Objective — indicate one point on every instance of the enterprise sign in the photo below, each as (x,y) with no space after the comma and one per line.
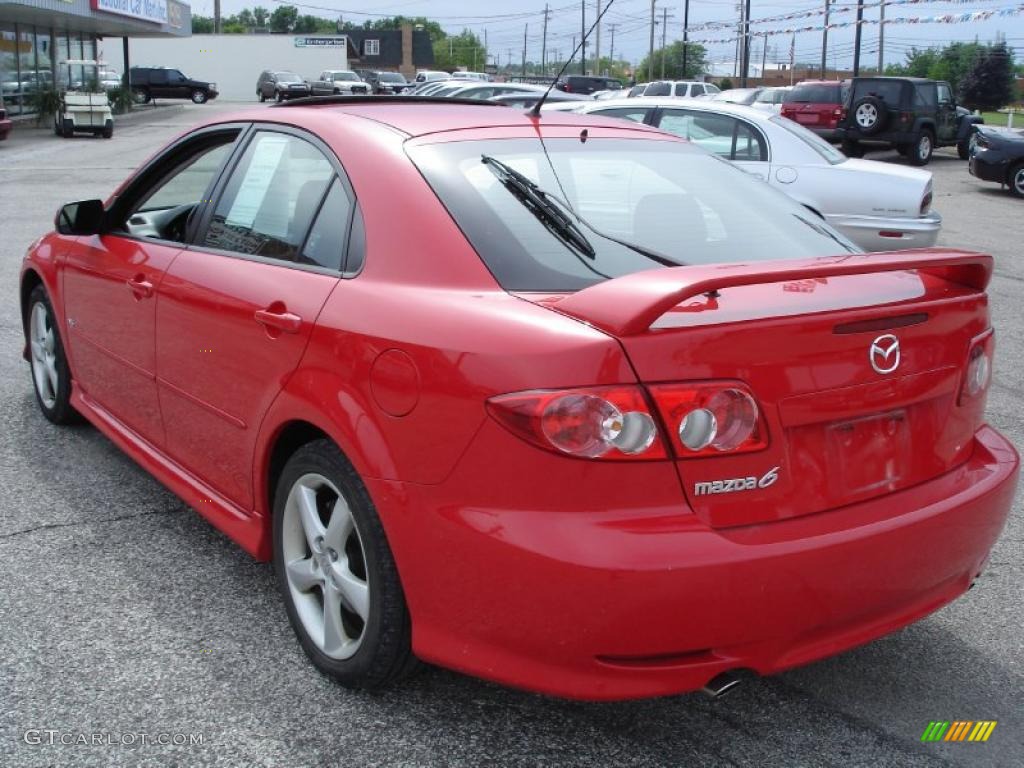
(321,42)
(146,10)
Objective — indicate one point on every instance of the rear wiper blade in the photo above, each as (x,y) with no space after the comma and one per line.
(540,204)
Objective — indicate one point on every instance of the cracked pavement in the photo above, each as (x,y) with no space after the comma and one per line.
(122,611)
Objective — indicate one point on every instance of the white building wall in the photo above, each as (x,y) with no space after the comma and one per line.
(234,62)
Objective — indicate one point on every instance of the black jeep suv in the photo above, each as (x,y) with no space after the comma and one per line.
(911,114)
(149,83)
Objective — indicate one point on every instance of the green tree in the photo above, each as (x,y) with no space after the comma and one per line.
(260,15)
(726,84)
(283,19)
(306,24)
(696,61)
(245,18)
(990,82)
(461,50)
(202,25)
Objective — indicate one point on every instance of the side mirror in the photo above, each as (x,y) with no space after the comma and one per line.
(82,218)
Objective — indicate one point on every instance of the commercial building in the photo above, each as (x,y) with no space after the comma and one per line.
(37,35)
(234,62)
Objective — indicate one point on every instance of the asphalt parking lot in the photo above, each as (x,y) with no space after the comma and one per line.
(123,612)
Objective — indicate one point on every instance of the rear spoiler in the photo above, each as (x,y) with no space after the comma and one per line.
(628,305)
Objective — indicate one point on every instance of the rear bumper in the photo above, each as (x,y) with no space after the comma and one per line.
(899,233)
(598,601)
(989,166)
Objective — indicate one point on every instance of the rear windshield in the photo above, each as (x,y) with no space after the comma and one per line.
(888,91)
(665,196)
(288,77)
(815,93)
(812,140)
(391,77)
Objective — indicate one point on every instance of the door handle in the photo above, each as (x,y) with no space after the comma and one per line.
(279,320)
(141,287)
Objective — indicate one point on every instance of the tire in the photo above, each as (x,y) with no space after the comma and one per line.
(921,148)
(141,96)
(51,377)
(370,645)
(963,149)
(852,149)
(198,96)
(69,128)
(108,130)
(1015,179)
(278,96)
(260,95)
(58,126)
(869,115)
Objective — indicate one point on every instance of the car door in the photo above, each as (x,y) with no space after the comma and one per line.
(946,115)
(236,309)
(158,84)
(110,280)
(724,135)
(178,85)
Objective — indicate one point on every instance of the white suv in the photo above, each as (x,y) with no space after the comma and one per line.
(680,88)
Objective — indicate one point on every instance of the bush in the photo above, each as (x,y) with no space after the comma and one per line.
(726,84)
(121,100)
(45,102)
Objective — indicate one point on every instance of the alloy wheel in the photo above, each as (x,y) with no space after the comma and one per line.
(867,115)
(1018,181)
(42,340)
(924,147)
(325,566)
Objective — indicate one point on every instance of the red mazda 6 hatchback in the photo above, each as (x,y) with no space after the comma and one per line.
(562,402)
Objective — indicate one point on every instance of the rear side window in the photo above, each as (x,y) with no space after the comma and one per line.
(814,94)
(924,96)
(723,135)
(659,89)
(271,198)
(325,245)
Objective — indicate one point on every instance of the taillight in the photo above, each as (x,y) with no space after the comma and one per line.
(837,112)
(979,367)
(926,201)
(598,422)
(710,419)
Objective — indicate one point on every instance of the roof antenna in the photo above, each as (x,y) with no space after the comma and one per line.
(535,109)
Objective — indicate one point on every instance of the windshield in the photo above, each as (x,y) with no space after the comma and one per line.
(391,77)
(288,77)
(667,197)
(811,139)
(346,76)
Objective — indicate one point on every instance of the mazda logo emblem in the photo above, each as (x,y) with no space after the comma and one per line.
(885,354)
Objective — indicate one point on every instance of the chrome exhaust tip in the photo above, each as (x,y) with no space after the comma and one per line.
(721,684)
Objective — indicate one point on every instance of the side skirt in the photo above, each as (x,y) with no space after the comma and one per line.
(245,528)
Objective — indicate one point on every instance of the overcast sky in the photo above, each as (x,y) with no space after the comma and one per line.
(504,23)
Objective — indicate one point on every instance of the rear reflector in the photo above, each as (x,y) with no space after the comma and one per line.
(890,233)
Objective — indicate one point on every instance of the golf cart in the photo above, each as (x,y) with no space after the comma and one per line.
(82,109)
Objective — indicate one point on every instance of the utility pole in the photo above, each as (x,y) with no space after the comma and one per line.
(573,52)
(611,56)
(485,52)
(583,37)
(746,44)
(881,36)
(544,43)
(216,17)
(526,29)
(664,32)
(686,28)
(856,38)
(824,40)
(764,56)
(650,56)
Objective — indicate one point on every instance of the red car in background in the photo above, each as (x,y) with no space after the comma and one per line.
(817,105)
(5,123)
(603,417)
